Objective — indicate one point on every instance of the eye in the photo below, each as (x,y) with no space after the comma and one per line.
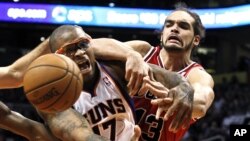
(83,45)
(168,24)
(184,25)
(70,49)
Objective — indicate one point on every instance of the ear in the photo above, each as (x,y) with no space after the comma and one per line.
(88,36)
(196,40)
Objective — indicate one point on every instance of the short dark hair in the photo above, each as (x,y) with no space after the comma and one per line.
(199,29)
(61,34)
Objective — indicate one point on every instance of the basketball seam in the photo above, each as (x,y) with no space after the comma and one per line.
(41,85)
(45,65)
(64,89)
(67,71)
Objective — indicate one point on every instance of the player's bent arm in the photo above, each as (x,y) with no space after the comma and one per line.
(140,46)
(69,125)
(12,76)
(18,124)
(111,49)
(203,84)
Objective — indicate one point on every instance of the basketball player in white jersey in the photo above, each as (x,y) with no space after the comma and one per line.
(105,101)
(12,77)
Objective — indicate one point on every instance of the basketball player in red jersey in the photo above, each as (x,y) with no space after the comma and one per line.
(104,101)
(182,31)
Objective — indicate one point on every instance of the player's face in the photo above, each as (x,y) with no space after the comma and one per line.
(78,50)
(178,32)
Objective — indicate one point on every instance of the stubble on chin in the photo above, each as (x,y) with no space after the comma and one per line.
(172,48)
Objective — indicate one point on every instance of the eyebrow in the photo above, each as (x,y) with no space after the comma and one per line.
(170,21)
(182,21)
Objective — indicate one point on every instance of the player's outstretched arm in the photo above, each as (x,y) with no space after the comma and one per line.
(175,96)
(18,124)
(12,76)
(69,125)
(203,84)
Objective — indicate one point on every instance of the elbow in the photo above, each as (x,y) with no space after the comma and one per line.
(200,111)
(19,83)
(16,77)
(16,83)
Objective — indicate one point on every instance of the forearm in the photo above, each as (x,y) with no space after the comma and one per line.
(199,107)
(18,124)
(110,49)
(7,79)
(203,85)
(33,130)
(203,97)
(14,73)
(70,126)
(169,79)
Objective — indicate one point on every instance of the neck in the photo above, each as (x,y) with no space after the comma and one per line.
(91,79)
(175,61)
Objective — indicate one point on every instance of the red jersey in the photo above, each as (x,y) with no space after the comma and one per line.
(152,129)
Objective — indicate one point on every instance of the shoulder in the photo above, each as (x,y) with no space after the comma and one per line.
(140,46)
(200,76)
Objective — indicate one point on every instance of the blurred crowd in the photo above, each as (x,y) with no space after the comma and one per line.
(231,106)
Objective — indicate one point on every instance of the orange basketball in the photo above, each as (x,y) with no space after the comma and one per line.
(52,83)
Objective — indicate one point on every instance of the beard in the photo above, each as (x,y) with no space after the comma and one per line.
(175,48)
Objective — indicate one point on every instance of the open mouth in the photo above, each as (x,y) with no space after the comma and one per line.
(174,39)
(84,66)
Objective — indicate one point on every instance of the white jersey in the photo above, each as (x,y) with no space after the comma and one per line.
(108,109)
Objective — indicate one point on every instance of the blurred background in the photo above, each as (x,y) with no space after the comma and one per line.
(225,54)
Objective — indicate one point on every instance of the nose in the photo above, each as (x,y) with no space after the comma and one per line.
(175,28)
(79,53)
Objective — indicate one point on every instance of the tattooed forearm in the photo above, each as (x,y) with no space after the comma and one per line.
(69,125)
(167,78)
(74,122)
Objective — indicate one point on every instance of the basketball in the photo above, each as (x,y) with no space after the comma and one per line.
(52,83)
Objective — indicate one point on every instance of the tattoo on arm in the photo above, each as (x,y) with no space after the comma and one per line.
(69,124)
(172,79)
(167,78)
(73,120)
